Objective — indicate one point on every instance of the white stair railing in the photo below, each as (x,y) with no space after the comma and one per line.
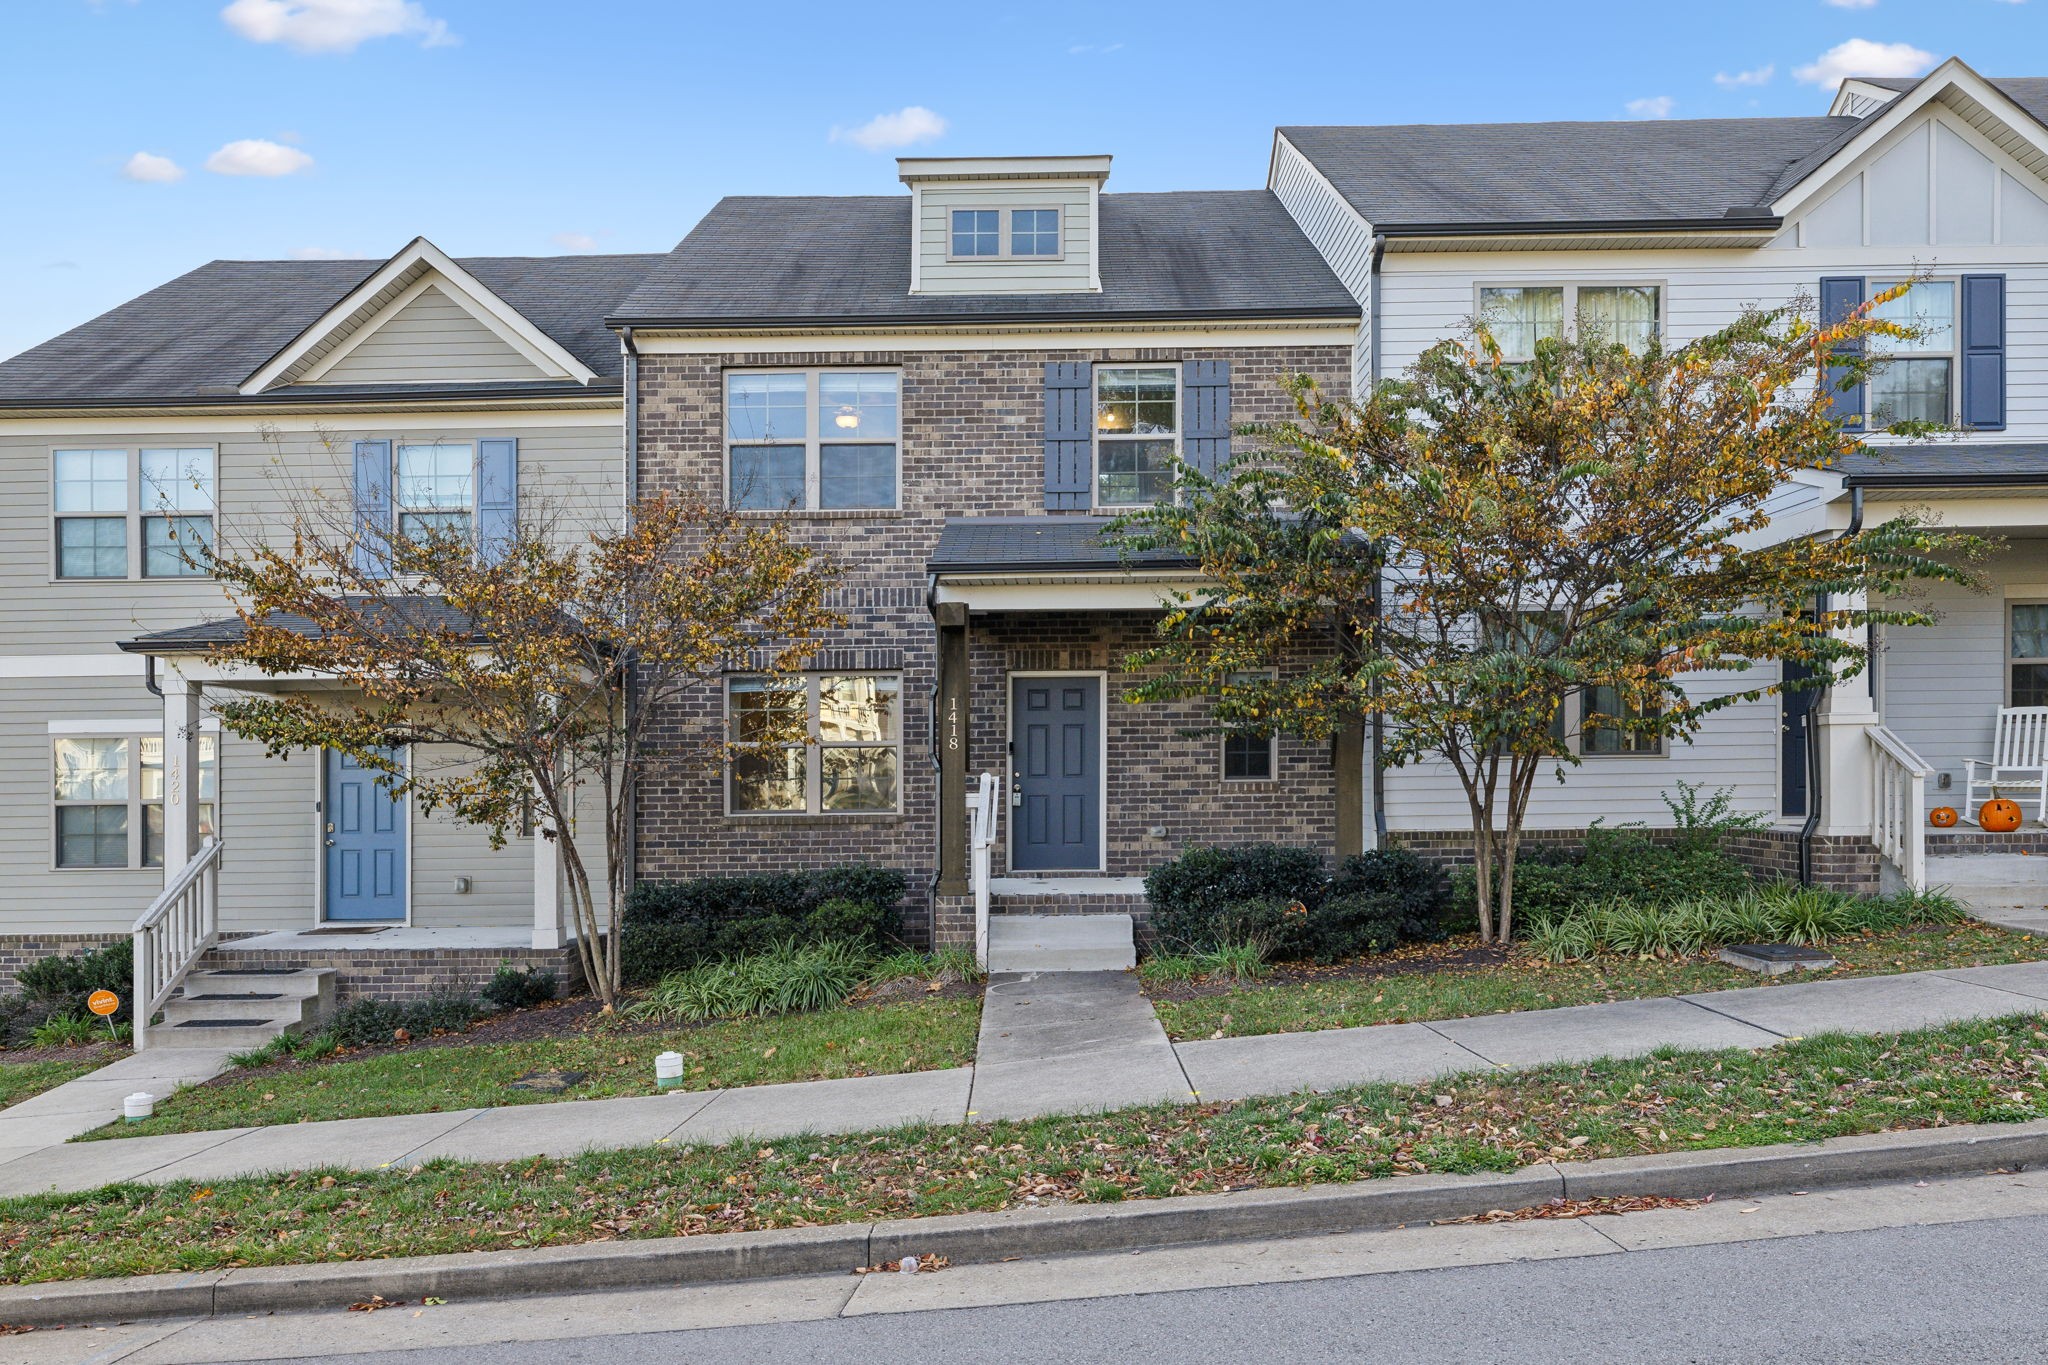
(1898,805)
(983,808)
(179,926)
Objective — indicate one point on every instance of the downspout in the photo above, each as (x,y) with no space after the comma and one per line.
(1372,312)
(1813,778)
(149,677)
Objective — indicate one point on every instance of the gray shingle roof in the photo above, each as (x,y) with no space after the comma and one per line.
(417,613)
(1941,463)
(1048,544)
(202,334)
(816,259)
(2029,92)
(1689,170)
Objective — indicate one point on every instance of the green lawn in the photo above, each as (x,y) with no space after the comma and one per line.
(19,1080)
(1527,983)
(1986,1071)
(868,1040)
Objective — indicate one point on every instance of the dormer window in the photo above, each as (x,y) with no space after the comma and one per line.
(998,234)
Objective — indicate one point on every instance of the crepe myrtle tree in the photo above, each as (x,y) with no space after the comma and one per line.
(545,662)
(1480,539)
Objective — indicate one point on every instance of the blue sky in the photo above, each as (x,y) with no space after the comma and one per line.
(522,127)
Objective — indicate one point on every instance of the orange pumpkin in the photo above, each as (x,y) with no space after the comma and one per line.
(2000,816)
(1941,817)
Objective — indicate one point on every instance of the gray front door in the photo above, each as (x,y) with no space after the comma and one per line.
(1056,772)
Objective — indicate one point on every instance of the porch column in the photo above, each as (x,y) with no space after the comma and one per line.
(1347,759)
(951,701)
(181,774)
(1849,710)
(547,889)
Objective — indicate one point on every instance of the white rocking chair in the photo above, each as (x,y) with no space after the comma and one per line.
(2018,765)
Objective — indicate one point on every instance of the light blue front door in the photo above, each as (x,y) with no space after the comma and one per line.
(365,834)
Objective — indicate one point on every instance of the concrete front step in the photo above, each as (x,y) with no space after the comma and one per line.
(1061,943)
(244,1009)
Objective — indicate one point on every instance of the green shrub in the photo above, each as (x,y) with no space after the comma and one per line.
(1200,897)
(1703,822)
(788,978)
(1616,864)
(65,981)
(374,1023)
(670,927)
(1420,890)
(518,988)
(67,1030)
(947,966)
(1216,899)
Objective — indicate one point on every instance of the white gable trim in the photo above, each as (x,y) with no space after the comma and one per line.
(395,283)
(1976,100)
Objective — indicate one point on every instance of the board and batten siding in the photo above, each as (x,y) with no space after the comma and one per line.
(430,339)
(1339,234)
(258,479)
(1072,273)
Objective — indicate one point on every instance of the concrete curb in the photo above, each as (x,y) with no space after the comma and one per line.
(1020,1233)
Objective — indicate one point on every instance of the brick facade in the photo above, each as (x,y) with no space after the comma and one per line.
(408,973)
(19,950)
(971,444)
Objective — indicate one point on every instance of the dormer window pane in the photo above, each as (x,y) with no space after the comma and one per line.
(1034,232)
(977,232)
(765,407)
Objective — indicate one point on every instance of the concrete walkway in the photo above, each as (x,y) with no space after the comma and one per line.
(94,1100)
(1060,1043)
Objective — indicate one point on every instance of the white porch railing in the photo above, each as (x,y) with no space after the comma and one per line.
(983,811)
(177,928)
(1898,805)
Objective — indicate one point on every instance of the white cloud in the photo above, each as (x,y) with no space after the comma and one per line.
(1094,49)
(1853,4)
(152,169)
(256,156)
(334,25)
(574,241)
(1656,106)
(326,253)
(1761,76)
(1861,57)
(904,128)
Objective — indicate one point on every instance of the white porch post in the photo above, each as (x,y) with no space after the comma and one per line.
(181,774)
(547,888)
(1849,711)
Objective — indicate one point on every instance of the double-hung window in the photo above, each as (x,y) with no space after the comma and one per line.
(816,744)
(107,503)
(109,799)
(436,489)
(991,234)
(1520,315)
(1916,381)
(1137,433)
(811,439)
(1603,741)
(2027,648)
(1251,757)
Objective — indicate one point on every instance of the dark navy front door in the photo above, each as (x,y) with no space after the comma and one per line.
(1056,765)
(365,840)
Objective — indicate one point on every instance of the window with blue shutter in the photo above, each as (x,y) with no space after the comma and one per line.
(1840,296)
(1205,433)
(497,497)
(1983,352)
(373,506)
(1069,434)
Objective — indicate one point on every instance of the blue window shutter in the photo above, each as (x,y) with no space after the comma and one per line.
(1984,352)
(1205,415)
(1841,295)
(373,506)
(1069,434)
(497,497)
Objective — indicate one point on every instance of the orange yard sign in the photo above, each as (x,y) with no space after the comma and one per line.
(103,1002)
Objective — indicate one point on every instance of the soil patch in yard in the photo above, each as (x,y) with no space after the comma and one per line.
(1464,953)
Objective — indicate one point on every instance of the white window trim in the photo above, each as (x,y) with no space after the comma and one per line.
(813,745)
(1953,355)
(132,516)
(138,805)
(1006,232)
(400,510)
(1571,287)
(1180,388)
(814,438)
(1272,744)
(2005,646)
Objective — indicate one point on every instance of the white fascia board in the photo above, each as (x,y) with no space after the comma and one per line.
(503,319)
(977,335)
(1951,74)
(1066,593)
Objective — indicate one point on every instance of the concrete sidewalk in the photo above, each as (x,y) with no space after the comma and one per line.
(1050,1045)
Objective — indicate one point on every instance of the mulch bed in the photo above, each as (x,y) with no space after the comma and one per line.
(102,1053)
(1464,953)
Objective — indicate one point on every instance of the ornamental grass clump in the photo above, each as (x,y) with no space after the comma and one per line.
(788,978)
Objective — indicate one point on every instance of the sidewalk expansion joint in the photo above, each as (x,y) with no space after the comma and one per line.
(1735,1018)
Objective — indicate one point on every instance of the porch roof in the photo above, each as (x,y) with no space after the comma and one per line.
(1047,544)
(377,613)
(1961,464)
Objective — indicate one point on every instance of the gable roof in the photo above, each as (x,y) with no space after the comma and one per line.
(197,338)
(1703,173)
(819,260)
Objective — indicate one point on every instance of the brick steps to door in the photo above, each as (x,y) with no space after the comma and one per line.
(245,1008)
